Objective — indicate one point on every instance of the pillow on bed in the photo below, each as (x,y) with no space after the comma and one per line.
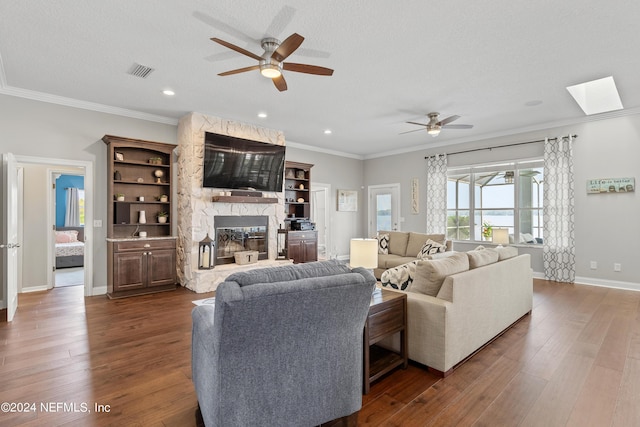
(67,236)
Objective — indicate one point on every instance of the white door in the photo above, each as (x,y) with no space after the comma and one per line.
(320,216)
(384,208)
(9,240)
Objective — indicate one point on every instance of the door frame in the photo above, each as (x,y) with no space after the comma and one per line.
(10,253)
(52,163)
(395,189)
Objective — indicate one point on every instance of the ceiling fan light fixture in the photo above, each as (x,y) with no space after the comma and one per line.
(270,71)
(434,130)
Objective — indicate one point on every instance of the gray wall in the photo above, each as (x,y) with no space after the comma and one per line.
(39,129)
(606,224)
(607,228)
(341,173)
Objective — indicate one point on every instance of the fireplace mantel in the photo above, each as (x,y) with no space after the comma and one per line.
(244,199)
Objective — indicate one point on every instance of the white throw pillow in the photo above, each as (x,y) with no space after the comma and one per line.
(431,247)
(383,244)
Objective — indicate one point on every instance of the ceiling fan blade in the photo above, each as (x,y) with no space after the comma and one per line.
(409,131)
(237,48)
(308,69)
(287,47)
(419,124)
(240,70)
(448,120)
(280,83)
(458,126)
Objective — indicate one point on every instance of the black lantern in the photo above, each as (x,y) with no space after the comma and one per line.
(205,253)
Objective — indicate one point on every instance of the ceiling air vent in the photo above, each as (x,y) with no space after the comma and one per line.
(141,71)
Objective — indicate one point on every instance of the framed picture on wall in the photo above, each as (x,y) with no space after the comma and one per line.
(347,200)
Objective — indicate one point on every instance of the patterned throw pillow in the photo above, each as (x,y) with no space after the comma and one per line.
(431,247)
(383,244)
(400,277)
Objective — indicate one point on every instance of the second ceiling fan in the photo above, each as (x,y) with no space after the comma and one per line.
(435,126)
(271,63)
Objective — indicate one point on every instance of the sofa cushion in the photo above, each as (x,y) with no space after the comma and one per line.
(506,252)
(417,240)
(430,248)
(478,258)
(400,277)
(390,260)
(441,255)
(397,242)
(383,244)
(431,273)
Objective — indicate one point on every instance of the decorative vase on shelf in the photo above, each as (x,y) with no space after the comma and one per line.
(117,176)
(142,217)
(162,219)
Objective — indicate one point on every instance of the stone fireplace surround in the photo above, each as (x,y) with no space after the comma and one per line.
(196,210)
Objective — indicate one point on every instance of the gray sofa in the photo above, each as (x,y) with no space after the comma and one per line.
(404,247)
(282,346)
(457,304)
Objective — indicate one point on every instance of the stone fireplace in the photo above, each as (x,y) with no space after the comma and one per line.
(198,214)
(240,233)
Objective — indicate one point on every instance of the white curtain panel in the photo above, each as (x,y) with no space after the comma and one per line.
(72,216)
(437,194)
(558,211)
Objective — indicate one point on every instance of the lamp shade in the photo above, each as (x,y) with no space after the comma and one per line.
(363,253)
(500,236)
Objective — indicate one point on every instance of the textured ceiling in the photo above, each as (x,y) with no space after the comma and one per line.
(393,62)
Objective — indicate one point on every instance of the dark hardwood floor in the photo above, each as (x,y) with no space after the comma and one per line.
(574,362)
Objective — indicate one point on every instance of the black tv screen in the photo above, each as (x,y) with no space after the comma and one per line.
(236,163)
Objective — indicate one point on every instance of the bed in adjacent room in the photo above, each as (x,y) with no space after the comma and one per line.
(69,247)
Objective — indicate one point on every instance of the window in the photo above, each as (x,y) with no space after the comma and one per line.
(81,206)
(497,196)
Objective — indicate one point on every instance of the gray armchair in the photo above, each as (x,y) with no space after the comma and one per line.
(283,346)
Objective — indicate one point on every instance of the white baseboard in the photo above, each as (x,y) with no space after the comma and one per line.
(99,290)
(34,289)
(590,281)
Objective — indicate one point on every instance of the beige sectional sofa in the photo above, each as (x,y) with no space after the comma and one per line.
(404,247)
(470,307)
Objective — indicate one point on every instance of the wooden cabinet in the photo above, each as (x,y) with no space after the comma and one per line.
(139,200)
(302,246)
(143,266)
(297,190)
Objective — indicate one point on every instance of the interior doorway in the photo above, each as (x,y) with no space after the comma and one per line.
(320,215)
(38,252)
(68,217)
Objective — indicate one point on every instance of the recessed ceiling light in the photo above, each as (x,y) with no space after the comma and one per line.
(327,132)
(533,103)
(168,92)
(262,115)
(597,96)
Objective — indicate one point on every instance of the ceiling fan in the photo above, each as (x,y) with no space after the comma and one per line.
(435,126)
(271,63)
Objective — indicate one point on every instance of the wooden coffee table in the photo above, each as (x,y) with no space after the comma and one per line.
(387,316)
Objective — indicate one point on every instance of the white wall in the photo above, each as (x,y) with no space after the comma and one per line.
(607,229)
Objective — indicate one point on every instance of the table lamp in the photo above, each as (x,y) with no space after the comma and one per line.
(500,236)
(363,253)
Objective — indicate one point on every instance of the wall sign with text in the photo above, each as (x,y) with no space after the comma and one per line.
(611,185)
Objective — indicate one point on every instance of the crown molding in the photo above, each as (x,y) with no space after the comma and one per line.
(324,150)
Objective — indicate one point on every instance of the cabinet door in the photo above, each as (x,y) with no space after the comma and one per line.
(129,270)
(161,267)
(310,250)
(296,251)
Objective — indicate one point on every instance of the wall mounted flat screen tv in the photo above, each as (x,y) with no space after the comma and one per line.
(241,164)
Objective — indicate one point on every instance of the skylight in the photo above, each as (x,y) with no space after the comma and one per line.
(597,96)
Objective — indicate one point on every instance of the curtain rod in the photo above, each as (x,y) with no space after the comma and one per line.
(501,146)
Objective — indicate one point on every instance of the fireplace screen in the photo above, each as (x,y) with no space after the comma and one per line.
(240,233)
